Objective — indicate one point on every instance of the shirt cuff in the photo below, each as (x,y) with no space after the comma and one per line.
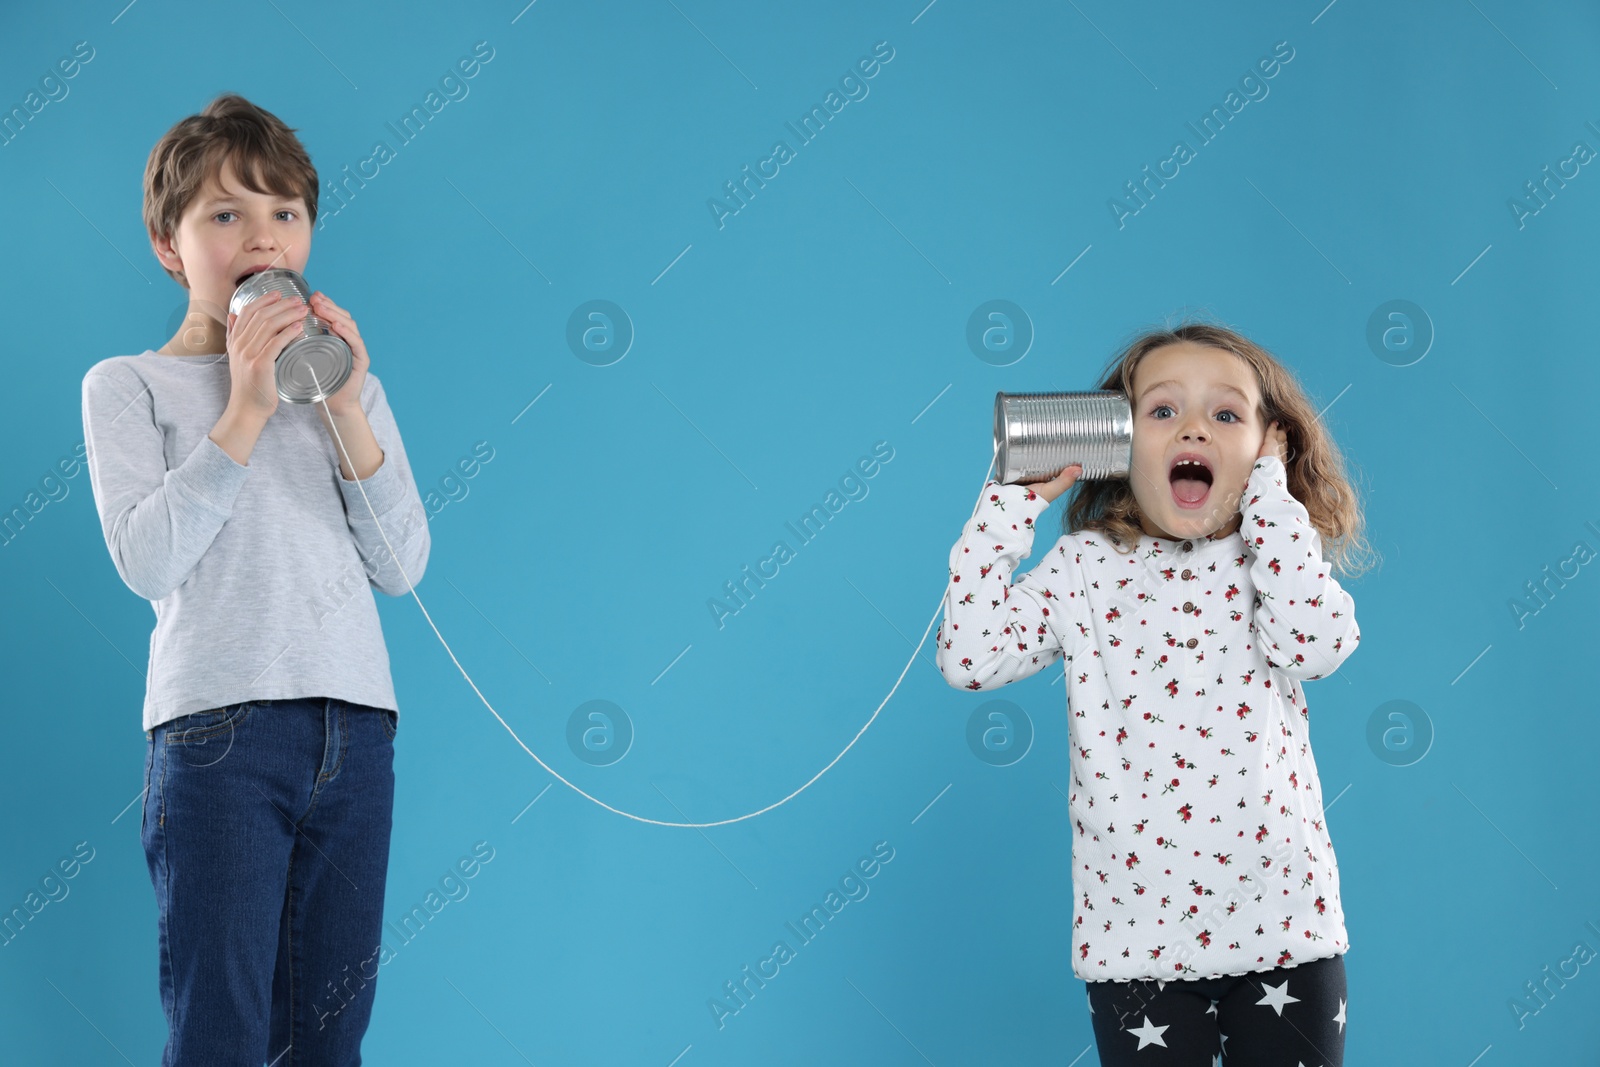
(1267,473)
(383,490)
(1018,498)
(214,476)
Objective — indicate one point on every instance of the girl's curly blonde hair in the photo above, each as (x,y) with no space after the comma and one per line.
(1315,467)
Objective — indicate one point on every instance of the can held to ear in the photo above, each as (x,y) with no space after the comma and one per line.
(1036,435)
(318,357)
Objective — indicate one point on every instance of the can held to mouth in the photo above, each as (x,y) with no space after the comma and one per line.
(1036,435)
(318,357)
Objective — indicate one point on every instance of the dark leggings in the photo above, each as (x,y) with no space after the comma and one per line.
(1250,1019)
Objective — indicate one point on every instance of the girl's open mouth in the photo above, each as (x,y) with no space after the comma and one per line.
(1191,485)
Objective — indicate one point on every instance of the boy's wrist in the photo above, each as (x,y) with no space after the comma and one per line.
(342,417)
(245,413)
(237,431)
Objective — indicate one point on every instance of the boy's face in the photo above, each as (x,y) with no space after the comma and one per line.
(226,231)
(1199,400)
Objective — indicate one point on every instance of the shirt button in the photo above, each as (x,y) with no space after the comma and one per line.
(1188,605)
(1186,546)
(1192,642)
(1187,574)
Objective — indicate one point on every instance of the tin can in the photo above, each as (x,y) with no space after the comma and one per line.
(318,357)
(1036,435)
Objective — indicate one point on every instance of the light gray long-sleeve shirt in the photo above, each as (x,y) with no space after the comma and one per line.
(261,575)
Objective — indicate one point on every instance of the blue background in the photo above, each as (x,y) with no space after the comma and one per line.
(770,354)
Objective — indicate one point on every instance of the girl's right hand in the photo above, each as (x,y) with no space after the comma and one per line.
(1060,483)
(256,337)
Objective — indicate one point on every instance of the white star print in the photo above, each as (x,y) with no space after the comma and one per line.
(1213,1009)
(1148,1034)
(1340,1017)
(1278,998)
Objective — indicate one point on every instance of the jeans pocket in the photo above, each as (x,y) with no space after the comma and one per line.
(391,722)
(198,728)
(144,798)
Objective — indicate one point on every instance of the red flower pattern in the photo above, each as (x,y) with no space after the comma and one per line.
(1170,649)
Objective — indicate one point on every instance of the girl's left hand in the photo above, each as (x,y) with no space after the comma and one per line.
(348,398)
(1275,444)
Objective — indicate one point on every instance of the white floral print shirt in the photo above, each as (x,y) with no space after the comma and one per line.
(1200,847)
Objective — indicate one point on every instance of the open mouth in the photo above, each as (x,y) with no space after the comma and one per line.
(253,270)
(1191,480)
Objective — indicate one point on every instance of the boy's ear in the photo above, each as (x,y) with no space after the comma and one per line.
(167,256)
(162,247)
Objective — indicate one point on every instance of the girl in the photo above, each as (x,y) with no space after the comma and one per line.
(1190,603)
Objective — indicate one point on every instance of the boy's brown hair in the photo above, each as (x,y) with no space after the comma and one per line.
(1314,466)
(266,155)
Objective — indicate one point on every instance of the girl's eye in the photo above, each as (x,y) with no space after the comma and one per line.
(1224,411)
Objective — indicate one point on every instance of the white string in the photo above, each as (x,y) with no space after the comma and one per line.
(654,822)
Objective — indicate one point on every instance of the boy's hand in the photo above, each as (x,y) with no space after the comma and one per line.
(348,398)
(1059,484)
(1276,443)
(256,337)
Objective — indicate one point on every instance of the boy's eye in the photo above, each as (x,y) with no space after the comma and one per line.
(283,211)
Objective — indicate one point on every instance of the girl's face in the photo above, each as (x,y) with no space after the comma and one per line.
(1198,402)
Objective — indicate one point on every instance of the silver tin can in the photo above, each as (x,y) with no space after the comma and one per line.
(1036,435)
(317,357)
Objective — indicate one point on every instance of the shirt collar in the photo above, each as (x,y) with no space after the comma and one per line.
(1190,548)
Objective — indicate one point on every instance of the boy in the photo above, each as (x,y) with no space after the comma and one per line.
(269,711)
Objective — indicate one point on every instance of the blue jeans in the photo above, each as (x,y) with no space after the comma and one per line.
(266,830)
